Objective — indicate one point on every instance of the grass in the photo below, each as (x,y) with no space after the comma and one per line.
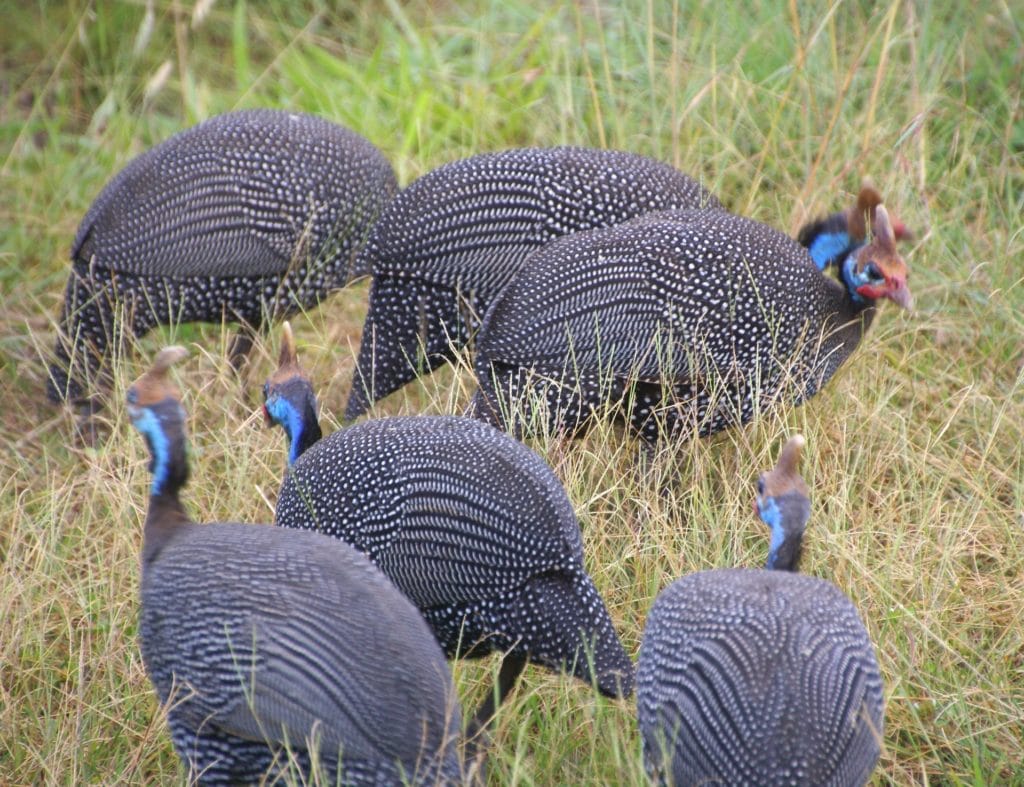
(915,451)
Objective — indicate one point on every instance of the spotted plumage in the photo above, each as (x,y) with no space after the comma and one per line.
(760,676)
(469,524)
(676,321)
(451,240)
(248,216)
(255,637)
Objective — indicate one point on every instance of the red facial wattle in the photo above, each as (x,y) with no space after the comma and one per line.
(895,289)
(873,292)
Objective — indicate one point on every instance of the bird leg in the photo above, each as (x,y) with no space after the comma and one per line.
(241,344)
(476,737)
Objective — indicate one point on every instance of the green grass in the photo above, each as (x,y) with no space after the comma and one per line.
(914,449)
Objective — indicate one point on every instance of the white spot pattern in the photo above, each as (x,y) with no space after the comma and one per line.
(461,232)
(680,320)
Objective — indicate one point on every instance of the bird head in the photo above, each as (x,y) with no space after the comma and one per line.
(831,239)
(876,270)
(154,407)
(784,506)
(289,401)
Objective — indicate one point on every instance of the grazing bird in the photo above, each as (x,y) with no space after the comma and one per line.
(450,241)
(249,216)
(677,321)
(760,676)
(257,638)
(472,526)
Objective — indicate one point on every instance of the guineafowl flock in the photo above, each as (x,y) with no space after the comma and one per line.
(585,284)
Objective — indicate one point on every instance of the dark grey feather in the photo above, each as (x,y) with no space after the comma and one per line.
(450,241)
(275,635)
(473,527)
(250,215)
(758,677)
(698,317)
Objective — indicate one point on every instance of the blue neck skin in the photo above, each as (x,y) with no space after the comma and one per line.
(772,517)
(151,426)
(829,246)
(283,413)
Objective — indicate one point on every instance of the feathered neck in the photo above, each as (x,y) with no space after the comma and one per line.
(829,241)
(165,517)
(307,433)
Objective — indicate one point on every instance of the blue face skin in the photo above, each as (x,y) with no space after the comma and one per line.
(854,279)
(283,413)
(786,515)
(828,246)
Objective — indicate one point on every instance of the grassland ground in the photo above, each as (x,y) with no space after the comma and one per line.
(914,458)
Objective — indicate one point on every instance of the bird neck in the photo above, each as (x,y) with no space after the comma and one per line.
(786,545)
(828,240)
(162,425)
(851,280)
(848,315)
(303,432)
(165,517)
(295,413)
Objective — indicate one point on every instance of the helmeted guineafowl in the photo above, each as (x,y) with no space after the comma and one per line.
(469,524)
(678,321)
(255,636)
(250,215)
(754,676)
(448,243)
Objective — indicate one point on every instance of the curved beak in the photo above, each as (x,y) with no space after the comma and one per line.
(898,292)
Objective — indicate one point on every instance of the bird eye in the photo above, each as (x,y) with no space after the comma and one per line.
(873,271)
(266,391)
(760,485)
(132,396)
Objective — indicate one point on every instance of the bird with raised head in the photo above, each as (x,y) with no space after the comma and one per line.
(760,676)
(675,322)
(273,648)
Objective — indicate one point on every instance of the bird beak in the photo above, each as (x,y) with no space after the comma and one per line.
(898,292)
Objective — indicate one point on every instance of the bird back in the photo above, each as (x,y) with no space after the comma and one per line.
(242,194)
(469,224)
(282,635)
(758,676)
(450,508)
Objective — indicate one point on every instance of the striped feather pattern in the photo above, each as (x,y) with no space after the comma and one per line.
(266,634)
(758,677)
(469,524)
